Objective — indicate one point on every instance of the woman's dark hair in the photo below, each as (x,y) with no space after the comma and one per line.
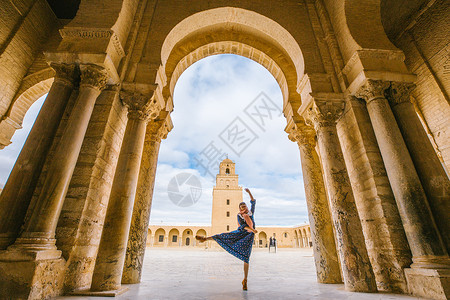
(242,203)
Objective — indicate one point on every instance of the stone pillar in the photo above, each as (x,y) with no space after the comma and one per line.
(82,216)
(356,268)
(380,220)
(39,230)
(16,195)
(33,260)
(137,239)
(432,175)
(325,256)
(113,244)
(429,274)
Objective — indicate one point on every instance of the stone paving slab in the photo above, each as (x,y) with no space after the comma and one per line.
(207,274)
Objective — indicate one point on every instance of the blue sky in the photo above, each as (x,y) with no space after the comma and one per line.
(211,97)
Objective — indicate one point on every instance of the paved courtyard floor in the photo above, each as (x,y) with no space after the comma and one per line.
(207,274)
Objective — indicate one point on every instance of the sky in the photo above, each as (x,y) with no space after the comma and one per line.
(224,105)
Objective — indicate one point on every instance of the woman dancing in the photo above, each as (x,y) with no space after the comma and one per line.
(239,242)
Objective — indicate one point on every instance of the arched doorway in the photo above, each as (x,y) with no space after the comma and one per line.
(160,238)
(188,237)
(262,240)
(174,238)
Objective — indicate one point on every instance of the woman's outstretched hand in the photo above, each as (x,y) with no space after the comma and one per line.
(249,193)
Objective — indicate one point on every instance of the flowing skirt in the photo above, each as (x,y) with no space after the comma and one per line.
(238,243)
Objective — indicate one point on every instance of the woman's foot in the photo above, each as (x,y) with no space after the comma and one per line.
(244,284)
(201,239)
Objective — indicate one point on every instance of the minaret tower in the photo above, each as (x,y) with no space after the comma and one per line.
(227,195)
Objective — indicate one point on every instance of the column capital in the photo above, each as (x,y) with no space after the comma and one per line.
(399,92)
(159,128)
(325,113)
(65,73)
(372,89)
(302,134)
(140,106)
(94,76)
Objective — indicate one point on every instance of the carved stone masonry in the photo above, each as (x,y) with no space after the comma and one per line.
(67,74)
(94,76)
(399,92)
(373,89)
(140,106)
(325,113)
(303,134)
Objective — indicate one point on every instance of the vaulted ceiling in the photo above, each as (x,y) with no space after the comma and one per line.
(66,9)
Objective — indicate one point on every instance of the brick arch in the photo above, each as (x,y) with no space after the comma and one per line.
(236,31)
(32,88)
(231,47)
(358,26)
(172,232)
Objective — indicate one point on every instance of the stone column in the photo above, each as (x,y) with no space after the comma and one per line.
(325,256)
(113,244)
(137,239)
(380,220)
(429,253)
(39,230)
(432,175)
(16,195)
(356,268)
(32,266)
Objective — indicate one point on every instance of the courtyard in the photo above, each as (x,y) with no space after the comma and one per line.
(214,274)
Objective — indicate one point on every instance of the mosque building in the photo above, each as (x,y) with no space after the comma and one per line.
(227,194)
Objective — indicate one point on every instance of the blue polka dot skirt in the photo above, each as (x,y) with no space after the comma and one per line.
(238,243)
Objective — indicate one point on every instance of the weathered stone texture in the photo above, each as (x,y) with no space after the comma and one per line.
(374,199)
(82,216)
(427,50)
(316,49)
(25,26)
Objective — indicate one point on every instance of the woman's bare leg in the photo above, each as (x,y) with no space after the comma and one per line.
(246,265)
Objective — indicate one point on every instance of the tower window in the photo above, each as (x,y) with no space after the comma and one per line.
(174,239)
(161,238)
(227,171)
(285,235)
(228,201)
(228,227)
(228,213)
(188,232)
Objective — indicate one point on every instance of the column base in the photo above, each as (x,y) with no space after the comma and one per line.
(429,283)
(31,275)
(6,239)
(112,293)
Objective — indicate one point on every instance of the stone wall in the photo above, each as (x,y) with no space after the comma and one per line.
(25,27)
(427,51)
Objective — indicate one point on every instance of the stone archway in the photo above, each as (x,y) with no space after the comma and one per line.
(174,238)
(262,239)
(342,84)
(160,238)
(188,238)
